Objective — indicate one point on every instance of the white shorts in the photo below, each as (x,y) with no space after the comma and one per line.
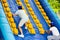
(53,37)
(23,21)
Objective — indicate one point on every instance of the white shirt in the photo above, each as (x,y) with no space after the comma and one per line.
(54,31)
(21,14)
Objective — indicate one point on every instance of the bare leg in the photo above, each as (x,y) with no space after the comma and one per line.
(20,30)
(20,25)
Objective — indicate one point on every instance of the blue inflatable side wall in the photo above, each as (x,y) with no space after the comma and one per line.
(53,17)
(4,26)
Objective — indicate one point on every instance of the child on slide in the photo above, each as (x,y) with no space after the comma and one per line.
(24,18)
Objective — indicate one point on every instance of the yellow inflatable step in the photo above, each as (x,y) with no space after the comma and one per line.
(48,21)
(13,25)
(15,31)
(28,21)
(39,25)
(5,5)
(46,17)
(44,14)
(32,13)
(11,20)
(34,17)
(36,20)
(37,3)
(41,30)
(7,9)
(32,31)
(28,5)
(42,10)
(9,15)
(4,1)
(30,8)
(19,3)
(18,0)
(30,26)
(8,12)
(39,7)
(26,1)
(36,0)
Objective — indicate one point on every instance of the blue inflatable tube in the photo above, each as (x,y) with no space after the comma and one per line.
(4,26)
(53,17)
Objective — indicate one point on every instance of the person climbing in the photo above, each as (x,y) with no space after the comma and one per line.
(24,18)
(54,31)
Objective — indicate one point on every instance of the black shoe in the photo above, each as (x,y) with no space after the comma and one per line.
(52,39)
(59,39)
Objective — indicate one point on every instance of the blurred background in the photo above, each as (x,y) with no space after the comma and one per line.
(55,5)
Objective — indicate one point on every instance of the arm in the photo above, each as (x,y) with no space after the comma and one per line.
(48,31)
(14,14)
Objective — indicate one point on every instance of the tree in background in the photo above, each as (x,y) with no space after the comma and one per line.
(55,5)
